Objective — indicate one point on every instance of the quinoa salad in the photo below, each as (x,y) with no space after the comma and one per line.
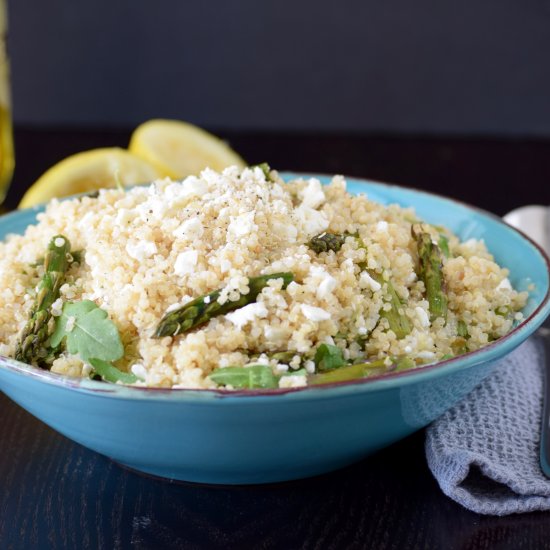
(241,280)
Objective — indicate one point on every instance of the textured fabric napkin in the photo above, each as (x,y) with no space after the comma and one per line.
(484,452)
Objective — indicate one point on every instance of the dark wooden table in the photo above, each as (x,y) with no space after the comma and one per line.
(57,494)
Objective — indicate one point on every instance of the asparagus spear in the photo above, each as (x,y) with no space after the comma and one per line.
(398,321)
(326,241)
(265,168)
(202,309)
(361,370)
(431,272)
(30,348)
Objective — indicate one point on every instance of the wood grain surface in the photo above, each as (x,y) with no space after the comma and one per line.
(56,494)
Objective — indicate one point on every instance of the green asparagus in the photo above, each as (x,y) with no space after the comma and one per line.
(443,243)
(202,309)
(361,370)
(431,272)
(265,168)
(251,377)
(399,322)
(31,345)
(326,241)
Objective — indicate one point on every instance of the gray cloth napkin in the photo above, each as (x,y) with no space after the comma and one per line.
(484,452)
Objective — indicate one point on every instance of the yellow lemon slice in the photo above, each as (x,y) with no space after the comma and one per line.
(179,149)
(89,171)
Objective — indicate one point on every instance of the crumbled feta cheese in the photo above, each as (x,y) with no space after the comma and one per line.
(246,314)
(366,281)
(362,331)
(309,365)
(312,195)
(315,314)
(426,355)
(504,284)
(57,307)
(186,262)
(311,221)
(225,266)
(193,186)
(280,368)
(382,226)
(422,316)
(141,250)
(286,231)
(190,229)
(139,370)
(327,283)
(292,381)
(241,225)
(262,360)
(408,349)
(326,286)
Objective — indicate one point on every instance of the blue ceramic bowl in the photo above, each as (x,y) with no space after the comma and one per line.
(274,435)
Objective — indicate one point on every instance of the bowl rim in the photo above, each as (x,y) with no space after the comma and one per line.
(491,352)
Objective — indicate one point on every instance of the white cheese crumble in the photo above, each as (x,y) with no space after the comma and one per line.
(382,226)
(192,186)
(311,221)
(315,314)
(246,314)
(422,316)
(139,370)
(309,365)
(241,225)
(504,284)
(190,229)
(292,381)
(141,250)
(186,262)
(281,368)
(327,282)
(57,307)
(366,281)
(312,195)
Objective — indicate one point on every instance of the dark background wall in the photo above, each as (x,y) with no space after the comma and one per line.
(421,66)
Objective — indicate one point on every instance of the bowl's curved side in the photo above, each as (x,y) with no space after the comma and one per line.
(241,441)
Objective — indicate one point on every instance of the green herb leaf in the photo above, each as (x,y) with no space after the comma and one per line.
(252,377)
(110,373)
(328,357)
(91,334)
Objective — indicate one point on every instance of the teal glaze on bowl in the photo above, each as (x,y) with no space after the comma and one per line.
(274,435)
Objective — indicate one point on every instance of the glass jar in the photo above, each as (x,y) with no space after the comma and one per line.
(6,134)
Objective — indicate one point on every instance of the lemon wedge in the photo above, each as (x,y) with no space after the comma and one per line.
(179,149)
(88,171)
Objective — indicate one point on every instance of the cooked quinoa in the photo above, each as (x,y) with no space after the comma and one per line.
(150,250)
